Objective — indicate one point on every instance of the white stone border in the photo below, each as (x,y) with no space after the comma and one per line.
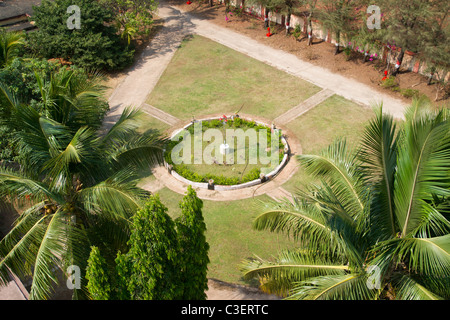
(205,185)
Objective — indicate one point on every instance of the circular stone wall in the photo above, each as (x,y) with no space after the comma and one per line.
(211,185)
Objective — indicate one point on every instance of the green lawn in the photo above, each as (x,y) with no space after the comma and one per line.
(230,234)
(320,126)
(148,122)
(205,77)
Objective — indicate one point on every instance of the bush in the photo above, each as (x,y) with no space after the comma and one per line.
(297,31)
(20,80)
(391,83)
(96,45)
(410,93)
(185,172)
(253,174)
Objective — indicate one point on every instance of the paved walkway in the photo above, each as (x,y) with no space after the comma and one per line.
(348,88)
(303,107)
(145,74)
(159,114)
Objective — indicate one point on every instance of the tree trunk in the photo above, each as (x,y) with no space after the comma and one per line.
(388,59)
(211,3)
(399,62)
(288,21)
(338,39)
(310,31)
(266,18)
(430,78)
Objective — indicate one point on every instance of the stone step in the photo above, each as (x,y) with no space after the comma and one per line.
(280,194)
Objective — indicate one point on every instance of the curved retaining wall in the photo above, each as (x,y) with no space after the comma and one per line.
(205,185)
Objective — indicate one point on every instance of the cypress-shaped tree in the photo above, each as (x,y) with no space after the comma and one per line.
(193,247)
(97,276)
(152,259)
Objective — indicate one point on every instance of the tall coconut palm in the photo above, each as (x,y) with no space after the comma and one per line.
(72,97)
(80,190)
(9,43)
(376,225)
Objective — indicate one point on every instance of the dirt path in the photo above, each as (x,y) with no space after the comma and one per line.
(219,290)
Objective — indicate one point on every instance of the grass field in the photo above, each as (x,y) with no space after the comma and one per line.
(334,118)
(205,77)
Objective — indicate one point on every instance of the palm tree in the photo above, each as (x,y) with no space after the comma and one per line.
(80,190)
(72,97)
(376,225)
(69,96)
(9,43)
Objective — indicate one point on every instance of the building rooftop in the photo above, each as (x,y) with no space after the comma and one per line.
(13,8)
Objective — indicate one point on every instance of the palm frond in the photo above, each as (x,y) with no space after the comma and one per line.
(378,155)
(409,289)
(111,198)
(335,287)
(432,222)
(15,184)
(9,43)
(21,257)
(290,267)
(74,153)
(337,165)
(50,250)
(305,223)
(23,223)
(423,165)
(124,126)
(142,151)
(428,256)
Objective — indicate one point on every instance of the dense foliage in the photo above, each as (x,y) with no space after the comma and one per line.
(79,187)
(166,259)
(96,45)
(193,247)
(132,18)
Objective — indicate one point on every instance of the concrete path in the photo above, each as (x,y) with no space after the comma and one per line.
(348,88)
(145,74)
(303,107)
(280,194)
(159,114)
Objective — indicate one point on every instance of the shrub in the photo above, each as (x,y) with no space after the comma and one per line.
(297,31)
(96,45)
(391,83)
(410,93)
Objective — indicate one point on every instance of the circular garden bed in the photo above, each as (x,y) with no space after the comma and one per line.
(226,153)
